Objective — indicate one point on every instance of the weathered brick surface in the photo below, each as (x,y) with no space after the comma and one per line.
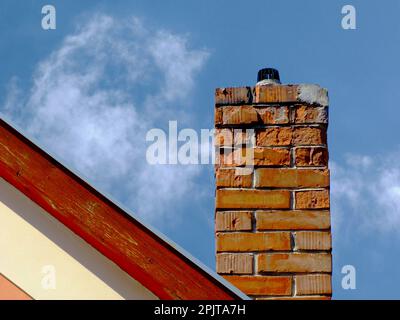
(253,157)
(252,199)
(292,220)
(313,284)
(233,221)
(310,114)
(218,116)
(309,136)
(242,116)
(273,115)
(248,242)
(313,199)
(314,156)
(291,178)
(271,157)
(239,115)
(276,94)
(272,224)
(294,262)
(241,95)
(233,178)
(274,136)
(223,137)
(312,240)
(242,137)
(235,263)
(262,285)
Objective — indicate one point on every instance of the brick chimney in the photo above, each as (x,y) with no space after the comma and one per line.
(272,217)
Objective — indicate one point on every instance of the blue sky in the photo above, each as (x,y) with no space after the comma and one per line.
(89,90)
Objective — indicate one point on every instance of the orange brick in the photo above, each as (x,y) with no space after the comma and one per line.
(223,137)
(235,263)
(294,262)
(313,284)
(233,178)
(314,156)
(235,157)
(239,115)
(252,199)
(248,241)
(291,178)
(256,156)
(233,221)
(271,157)
(275,94)
(242,137)
(273,115)
(310,114)
(262,285)
(275,136)
(240,95)
(292,220)
(218,116)
(314,199)
(309,136)
(313,240)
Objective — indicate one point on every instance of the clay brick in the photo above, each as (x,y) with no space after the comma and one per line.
(240,95)
(254,157)
(275,136)
(315,156)
(309,136)
(233,221)
(218,116)
(292,220)
(262,285)
(271,157)
(233,178)
(310,114)
(291,178)
(243,137)
(314,199)
(239,115)
(252,199)
(235,263)
(248,241)
(273,115)
(313,240)
(313,284)
(223,137)
(294,262)
(276,94)
(235,157)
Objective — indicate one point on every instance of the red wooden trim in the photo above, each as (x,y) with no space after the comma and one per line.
(142,254)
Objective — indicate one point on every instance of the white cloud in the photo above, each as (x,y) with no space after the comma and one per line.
(94,98)
(365,193)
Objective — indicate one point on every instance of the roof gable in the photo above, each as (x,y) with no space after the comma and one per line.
(145,255)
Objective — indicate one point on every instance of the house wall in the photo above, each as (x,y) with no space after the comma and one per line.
(48,261)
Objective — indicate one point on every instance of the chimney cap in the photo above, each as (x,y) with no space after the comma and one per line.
(268,74)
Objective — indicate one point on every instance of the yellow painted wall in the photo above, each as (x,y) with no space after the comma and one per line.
(35,247)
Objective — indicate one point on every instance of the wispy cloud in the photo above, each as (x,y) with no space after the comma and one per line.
(94,98)
(365,193)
